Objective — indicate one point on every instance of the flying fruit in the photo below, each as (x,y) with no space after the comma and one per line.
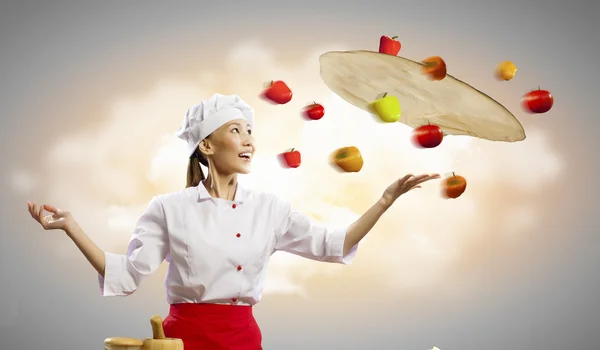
(292,158)
(278,92)
(315,111)
(390,46)
(434,68)
(387,108)
(454,186)
(348,159)
(537,101)
(506,70)
(428,136)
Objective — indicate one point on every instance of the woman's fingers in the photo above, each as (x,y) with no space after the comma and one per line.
(405,178)
(427,178)
(33,211)
(48,222)
(420,179)
(412,188)
(48,216)
(414,182)
(40,216)
(51,209)
(29,206)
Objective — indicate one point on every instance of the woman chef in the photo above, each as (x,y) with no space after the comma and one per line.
(217,235)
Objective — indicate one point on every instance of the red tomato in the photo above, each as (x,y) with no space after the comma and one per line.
(428,136)
(537,101)
(315,111)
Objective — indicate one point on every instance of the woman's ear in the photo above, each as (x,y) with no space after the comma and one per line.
(205,147)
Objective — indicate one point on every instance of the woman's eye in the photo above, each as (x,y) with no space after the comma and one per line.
(249,132)
(235,130)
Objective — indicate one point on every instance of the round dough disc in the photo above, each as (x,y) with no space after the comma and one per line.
(360,77)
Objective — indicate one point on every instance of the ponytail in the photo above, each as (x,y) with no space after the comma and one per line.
(194,172)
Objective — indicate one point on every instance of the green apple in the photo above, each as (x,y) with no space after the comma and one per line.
(387,108)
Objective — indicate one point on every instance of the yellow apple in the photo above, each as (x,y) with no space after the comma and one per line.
(387,108)
(506,70)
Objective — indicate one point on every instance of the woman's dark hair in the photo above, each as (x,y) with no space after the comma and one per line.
(194,172)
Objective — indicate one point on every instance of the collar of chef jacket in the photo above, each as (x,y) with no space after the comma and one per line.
(204,195)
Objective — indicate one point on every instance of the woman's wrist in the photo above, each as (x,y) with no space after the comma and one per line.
(72,228)
(385,203)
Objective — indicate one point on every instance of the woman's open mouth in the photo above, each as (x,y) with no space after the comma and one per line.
(246,156)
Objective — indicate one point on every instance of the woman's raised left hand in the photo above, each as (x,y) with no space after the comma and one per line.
(405,184)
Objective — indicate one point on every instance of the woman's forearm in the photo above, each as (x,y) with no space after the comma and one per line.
(359,229)
(90,250)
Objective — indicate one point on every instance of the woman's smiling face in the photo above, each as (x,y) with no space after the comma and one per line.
(230,148)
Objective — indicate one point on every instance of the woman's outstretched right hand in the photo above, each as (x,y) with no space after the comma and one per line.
(57,220)
(63,220)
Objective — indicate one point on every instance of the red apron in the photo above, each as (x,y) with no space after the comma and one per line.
(213,327)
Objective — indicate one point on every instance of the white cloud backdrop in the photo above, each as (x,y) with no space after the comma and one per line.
(106,174)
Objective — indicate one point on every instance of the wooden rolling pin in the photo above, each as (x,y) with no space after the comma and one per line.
(122,343)
(159,341)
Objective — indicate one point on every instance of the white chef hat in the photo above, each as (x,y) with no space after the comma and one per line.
(207,116)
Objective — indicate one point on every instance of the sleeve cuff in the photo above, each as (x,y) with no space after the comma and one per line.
(109,284)
(335,247)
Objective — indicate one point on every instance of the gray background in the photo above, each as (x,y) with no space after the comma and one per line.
(62,60)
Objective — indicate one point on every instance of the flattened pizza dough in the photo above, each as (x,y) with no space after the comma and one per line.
(360,77)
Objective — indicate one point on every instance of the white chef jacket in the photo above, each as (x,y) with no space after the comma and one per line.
(217,249)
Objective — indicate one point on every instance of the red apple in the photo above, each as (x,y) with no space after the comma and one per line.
(537,101)
(315,111)
(292,158)
(428,136)
(278,92)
